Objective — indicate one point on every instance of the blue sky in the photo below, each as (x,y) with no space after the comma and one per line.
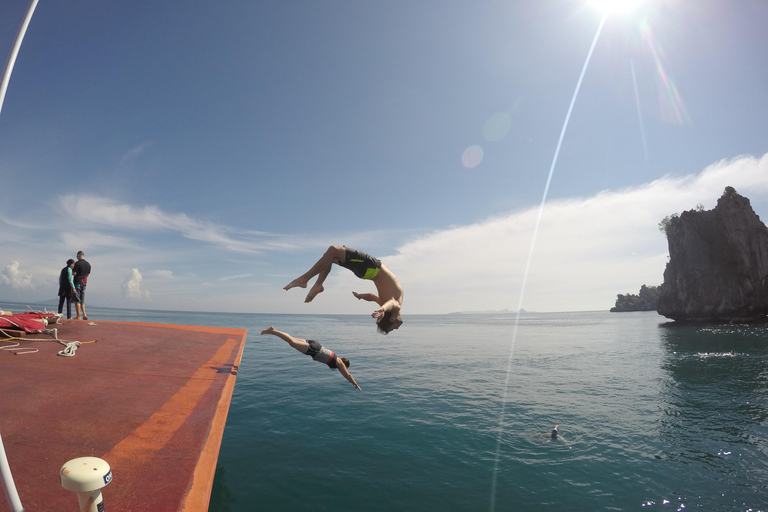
(203,154)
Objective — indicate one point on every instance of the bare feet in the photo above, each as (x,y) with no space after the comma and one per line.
(296,282)
(317,288)
(268,330)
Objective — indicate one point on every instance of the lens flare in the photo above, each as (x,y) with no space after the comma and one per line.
(472,157)
(497,126)
(526,272)
(671,104)
(639,110)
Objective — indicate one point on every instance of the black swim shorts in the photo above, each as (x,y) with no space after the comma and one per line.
(314,348)
(363,265)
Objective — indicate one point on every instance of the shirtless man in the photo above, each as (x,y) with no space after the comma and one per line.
(364,266)
(317,352)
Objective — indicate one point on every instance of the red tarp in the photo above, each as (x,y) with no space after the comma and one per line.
(28,322)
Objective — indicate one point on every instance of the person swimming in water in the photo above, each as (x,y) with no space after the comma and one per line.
(554,435)
(317,352)
(364,266)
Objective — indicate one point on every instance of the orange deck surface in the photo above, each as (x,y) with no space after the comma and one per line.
(150,399)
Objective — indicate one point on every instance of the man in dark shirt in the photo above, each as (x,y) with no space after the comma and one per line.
(81,272)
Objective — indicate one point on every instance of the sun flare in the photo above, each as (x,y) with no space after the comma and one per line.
(615,6)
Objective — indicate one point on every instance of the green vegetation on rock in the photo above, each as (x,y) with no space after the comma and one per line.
(646,300)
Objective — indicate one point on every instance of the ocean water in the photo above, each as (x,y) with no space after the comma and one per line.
(454,413)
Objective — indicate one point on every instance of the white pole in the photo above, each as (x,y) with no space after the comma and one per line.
(10,489)
(5,470)
(15,51)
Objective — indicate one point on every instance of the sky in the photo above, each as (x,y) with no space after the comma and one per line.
(204,154)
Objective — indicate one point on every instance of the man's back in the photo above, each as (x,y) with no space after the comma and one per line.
(82,270)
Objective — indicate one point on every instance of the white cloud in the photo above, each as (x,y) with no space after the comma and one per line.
(16,278)
(135,152)
(237,277)
(105,211)
(587,250)
(101,211)
(132,286)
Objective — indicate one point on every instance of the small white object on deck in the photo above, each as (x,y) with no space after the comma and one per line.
(86,476)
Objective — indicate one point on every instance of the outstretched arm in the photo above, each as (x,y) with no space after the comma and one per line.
(390,305)
(370,297)
(343,370)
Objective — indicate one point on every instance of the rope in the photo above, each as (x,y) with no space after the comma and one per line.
(71,346)
(13,349)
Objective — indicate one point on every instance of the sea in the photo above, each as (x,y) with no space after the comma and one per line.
(455,414)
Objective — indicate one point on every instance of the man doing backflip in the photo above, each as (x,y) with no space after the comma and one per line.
(364,266)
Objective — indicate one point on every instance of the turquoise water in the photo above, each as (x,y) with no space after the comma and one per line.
(655,415)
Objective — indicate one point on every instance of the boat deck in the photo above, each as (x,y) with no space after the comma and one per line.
(150,399)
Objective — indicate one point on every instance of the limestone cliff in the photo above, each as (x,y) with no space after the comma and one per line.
(646,300)
(718,264)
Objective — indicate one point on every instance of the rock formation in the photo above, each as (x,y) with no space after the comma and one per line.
(646,300)
(718,264)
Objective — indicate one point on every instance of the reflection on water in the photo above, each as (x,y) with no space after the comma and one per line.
(715,403)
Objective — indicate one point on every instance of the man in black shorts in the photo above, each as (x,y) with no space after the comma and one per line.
(81,272)
(364,266)
(317,352)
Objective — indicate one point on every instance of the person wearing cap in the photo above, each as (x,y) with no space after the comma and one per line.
(317,352)
(66,287)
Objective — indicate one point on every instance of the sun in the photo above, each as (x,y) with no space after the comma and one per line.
(608,7)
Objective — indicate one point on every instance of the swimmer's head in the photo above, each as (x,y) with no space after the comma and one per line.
(388,323)
(554,432)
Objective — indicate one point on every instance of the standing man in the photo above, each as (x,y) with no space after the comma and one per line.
(81,271)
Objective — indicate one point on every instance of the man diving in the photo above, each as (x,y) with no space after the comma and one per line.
(317,352)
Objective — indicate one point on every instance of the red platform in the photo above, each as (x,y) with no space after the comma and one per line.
(150,399)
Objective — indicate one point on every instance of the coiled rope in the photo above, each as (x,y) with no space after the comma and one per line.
(70,347)
(16,349)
